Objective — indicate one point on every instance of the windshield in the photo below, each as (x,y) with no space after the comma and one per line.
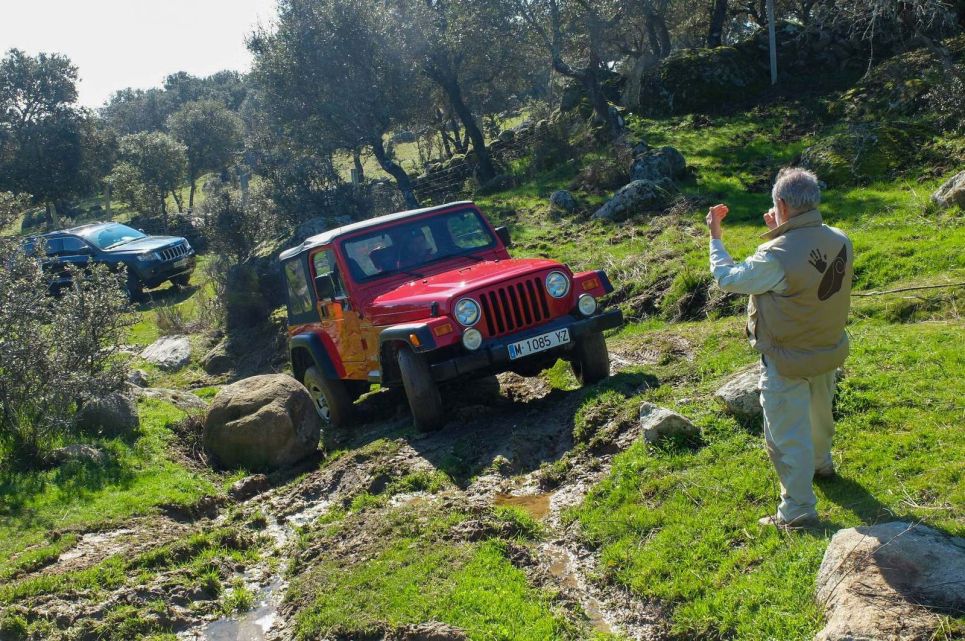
(406,247)
(111,236)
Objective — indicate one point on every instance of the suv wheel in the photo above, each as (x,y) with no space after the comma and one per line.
(591,360)
(181,281)
(135,288)
(332,403)
(422,392)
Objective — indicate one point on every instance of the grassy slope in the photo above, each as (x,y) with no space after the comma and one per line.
(679,522)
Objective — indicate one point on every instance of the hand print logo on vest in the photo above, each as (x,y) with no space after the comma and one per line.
(833,276)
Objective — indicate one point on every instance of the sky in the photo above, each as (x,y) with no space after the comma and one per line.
(134,43)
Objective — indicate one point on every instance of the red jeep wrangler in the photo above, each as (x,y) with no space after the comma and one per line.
(427,296)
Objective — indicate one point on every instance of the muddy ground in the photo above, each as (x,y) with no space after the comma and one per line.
(512,445)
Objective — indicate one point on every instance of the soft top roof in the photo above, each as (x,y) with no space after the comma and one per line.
(328,236)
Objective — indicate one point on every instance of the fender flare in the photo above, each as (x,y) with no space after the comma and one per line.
(320,353)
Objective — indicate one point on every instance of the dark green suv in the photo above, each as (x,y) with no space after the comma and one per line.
(149,260)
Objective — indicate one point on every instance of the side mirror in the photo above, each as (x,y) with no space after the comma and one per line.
(503,234)
(325,287)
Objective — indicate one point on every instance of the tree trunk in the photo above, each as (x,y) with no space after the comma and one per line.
(632,90)
(454,92)
(53,220)
(357,161)
(393,168)
(444,134)
(715,35)
(457,140)
(191,196)
(178,201)
(164,213)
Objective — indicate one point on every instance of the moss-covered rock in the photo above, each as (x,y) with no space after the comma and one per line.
(863,152)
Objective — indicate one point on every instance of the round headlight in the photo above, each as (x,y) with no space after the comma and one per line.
(587,305)
(467,312)
(557,284)
(471,339)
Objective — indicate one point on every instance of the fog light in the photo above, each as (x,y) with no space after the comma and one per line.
(587,305)
(472,339)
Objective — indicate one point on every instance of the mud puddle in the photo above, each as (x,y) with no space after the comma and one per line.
(254,625)
(536,505)
(561,565)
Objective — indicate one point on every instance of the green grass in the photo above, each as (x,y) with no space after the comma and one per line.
(416,573)
(139,476)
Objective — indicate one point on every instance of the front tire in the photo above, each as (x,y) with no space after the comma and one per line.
(332,402)
(181,281)
(591,360)
(135,288)
(421,391)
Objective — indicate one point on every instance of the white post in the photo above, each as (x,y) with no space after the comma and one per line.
(772,36)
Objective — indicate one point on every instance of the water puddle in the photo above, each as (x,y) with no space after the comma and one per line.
(536,505)
(253,625)
(562,566)
(91,542)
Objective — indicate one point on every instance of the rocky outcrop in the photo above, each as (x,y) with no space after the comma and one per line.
(952,192)
(138,378)
(658,164)
(261,423)
(741,395)
(862,152)
(111,415)
(886,582)
(635,197)
(248,487)
(658,423)
(168,352)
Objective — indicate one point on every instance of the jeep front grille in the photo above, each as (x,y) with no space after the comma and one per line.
(171,253)
(515,306)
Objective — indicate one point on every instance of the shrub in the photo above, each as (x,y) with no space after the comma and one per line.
(54,354)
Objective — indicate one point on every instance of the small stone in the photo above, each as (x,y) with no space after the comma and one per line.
(658,423)
(741,395)
(563,200)
(137,378)
(110,416)
(249,486)
(886,581)
(952,192)
(430,631)
(182,400)
(76,452)
(169,352)
(217,361)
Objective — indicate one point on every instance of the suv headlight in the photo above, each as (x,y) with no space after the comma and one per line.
(467,312)
(147,256)
(557,284)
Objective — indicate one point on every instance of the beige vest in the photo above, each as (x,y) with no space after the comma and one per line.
(802,330)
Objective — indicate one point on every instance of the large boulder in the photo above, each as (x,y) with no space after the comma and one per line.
(658,164)
(658,423)
(952,192)
(261,423)
(112,415)
(741,394)
(886,581)
(635,197)
(168,352)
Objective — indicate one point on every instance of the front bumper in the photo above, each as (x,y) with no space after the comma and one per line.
(494,354)
(153,274)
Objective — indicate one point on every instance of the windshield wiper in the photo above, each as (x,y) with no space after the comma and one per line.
(119,243)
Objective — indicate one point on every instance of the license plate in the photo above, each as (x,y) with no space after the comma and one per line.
(539,343)
(181,263)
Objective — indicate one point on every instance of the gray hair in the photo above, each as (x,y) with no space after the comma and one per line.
(798,188)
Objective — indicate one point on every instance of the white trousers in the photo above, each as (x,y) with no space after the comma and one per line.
(798,428)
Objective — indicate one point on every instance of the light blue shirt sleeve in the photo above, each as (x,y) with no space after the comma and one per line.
(758,274)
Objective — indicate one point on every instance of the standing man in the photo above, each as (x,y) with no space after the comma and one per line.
(799,282)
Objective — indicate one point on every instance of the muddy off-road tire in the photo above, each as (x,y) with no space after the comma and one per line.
(332,402)
(591,360)
(422,392)
(181,281)
(135,288)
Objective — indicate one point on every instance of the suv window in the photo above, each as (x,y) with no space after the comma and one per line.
(72,245)
(324,263)
(405,247)
(296,281)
